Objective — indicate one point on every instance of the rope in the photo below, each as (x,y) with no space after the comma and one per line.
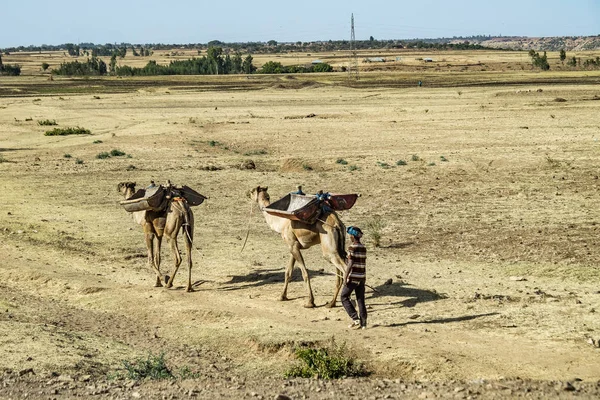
(249,221)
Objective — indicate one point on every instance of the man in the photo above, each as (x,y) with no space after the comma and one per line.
(354,279)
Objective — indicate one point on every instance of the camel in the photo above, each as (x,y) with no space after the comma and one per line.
(158,224)
(328,231)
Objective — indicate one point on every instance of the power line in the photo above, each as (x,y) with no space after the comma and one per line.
(353,69)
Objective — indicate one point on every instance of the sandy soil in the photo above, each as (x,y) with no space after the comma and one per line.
(485,284)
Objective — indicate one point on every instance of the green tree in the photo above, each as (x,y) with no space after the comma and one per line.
(45,66)
(272,43)
(539,61)
(247,65)
(237,63)
(214,55)
(272,67)
(323,67)
(563,55)
(371,39)
(113,63)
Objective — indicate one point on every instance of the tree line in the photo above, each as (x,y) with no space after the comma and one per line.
(213,63)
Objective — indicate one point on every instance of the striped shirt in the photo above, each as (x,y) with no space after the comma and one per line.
(357,255)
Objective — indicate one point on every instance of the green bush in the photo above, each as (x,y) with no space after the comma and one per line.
(68,131)
(374,226)
(78,161)
(401,162)
(353,168)
(116,153)
(154,367)
(415,158)
(97,141)
(341,161)
(67,156)
(103,155)
(326,363)
(47,122)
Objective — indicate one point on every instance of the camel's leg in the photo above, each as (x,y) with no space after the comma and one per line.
(177,256)
(338,263)
(188,232)
(157,257)
(152,256)
(298,256)
(288,275)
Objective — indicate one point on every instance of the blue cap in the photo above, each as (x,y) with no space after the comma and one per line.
(354,231)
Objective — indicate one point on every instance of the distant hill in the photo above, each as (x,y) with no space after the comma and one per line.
(568,43)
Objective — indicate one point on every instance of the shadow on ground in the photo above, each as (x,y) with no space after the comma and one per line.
(439,320)
(401,289)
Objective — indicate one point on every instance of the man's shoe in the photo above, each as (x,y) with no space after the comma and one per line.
(355,324)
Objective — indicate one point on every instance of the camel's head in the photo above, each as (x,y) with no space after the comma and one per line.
(259,193)
(126,188)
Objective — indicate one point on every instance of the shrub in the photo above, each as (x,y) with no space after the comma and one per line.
(383,165)
(341,161)
(97,141)
(10,70)
(374,226)
(213,143)
(103,155)
(353,168)
(47,122)
(45,66)
(78,161)
(307,167)
(255,152)
(116,153)
(154,367)
(67,156)
(443,159)
(401,162)
(415,158)
(331,362)
(2,159)
(68,131)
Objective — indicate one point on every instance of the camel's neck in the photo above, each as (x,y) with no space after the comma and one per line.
(275,223)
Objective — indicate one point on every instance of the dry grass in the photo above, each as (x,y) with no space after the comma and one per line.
(509,201)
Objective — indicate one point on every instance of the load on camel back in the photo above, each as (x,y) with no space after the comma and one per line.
(305,221)
(308,208)
(163,211)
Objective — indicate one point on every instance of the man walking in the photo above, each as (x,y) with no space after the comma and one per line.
(354,279)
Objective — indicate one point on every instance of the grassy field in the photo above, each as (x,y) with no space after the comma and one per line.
(483,186)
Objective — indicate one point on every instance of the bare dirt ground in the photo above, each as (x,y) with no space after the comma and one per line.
(486,283)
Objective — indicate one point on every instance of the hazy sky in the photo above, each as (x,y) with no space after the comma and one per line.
(36,22)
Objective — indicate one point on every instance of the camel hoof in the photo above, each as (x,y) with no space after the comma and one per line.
(158,285)
(330,305)
(283,298)
(190,290)
(309,305)
(169,285)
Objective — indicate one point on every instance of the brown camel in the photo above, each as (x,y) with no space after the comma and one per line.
(328,231)
(158,224)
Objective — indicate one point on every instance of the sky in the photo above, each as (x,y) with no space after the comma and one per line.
(36,22)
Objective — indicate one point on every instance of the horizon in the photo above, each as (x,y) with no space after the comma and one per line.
(293,42)
(36,23)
